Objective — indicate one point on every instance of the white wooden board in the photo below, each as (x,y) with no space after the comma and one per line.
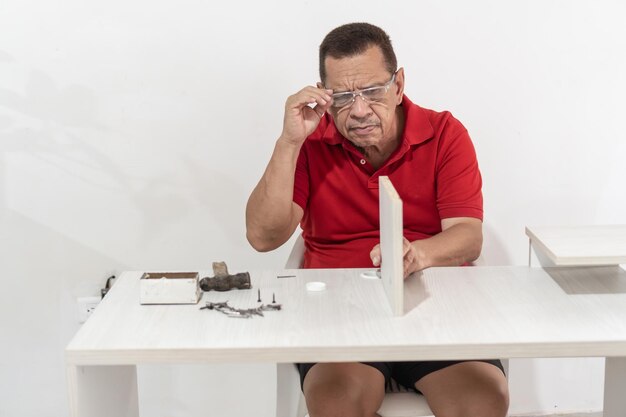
(580,245)
(391,238)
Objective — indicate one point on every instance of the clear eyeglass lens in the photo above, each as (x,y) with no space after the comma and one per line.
(374,94)
(369,94)
(342,99)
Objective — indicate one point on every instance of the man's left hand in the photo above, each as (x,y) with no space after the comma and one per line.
(410,257)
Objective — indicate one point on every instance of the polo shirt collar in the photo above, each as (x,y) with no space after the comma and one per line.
(331,135)
(417,127)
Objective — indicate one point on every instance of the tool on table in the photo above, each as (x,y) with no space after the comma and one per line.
(223,281)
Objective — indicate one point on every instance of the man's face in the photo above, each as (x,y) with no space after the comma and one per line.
(365,122)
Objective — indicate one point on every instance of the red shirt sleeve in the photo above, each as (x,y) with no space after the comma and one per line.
(301,180)
(459,182)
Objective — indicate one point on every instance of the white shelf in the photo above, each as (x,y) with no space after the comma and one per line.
(580,245)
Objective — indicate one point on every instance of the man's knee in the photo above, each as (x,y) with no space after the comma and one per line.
(335,398)
(491,400)
(342,392)
(469,389)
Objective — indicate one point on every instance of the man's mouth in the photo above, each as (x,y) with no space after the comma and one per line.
(362,130)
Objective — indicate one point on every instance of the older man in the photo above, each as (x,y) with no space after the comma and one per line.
(338,138)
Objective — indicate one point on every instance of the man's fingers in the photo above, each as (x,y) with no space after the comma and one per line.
(406,246)
(320,104)
(375,255)
(406,267)
(408,258)
(303,112)
(408,253)
(321,109)
(310,96)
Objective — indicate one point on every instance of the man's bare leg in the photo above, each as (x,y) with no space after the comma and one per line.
(466,389)
(343,390)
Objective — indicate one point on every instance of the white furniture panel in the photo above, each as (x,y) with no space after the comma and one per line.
(580,245)
(391,241)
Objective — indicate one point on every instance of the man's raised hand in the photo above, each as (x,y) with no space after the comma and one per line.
(303,112)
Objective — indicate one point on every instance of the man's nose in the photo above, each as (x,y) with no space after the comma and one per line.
(360,108)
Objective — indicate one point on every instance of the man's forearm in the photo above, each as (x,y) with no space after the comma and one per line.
(454,246)
(269,212)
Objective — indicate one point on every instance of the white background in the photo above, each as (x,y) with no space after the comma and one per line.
(132,132)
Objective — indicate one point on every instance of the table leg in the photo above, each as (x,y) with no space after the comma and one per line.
(289,400)
(102,391)
(614,387)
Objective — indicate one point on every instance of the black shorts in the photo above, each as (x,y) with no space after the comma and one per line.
(404,373)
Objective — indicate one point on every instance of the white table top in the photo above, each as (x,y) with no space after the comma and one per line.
(453,313)
(581,245)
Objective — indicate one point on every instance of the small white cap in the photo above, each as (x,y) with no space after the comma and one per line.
(315,286)
(370,274)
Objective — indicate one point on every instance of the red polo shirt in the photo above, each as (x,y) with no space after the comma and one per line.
(434,170)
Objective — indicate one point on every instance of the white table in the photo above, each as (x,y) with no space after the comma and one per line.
(452,313)
(579,245)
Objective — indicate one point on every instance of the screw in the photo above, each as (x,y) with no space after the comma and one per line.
(259,300)
(273,298)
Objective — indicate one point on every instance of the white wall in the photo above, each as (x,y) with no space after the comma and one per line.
(131,133)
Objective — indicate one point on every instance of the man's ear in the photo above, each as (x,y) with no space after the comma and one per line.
(320,85)
(399,83)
